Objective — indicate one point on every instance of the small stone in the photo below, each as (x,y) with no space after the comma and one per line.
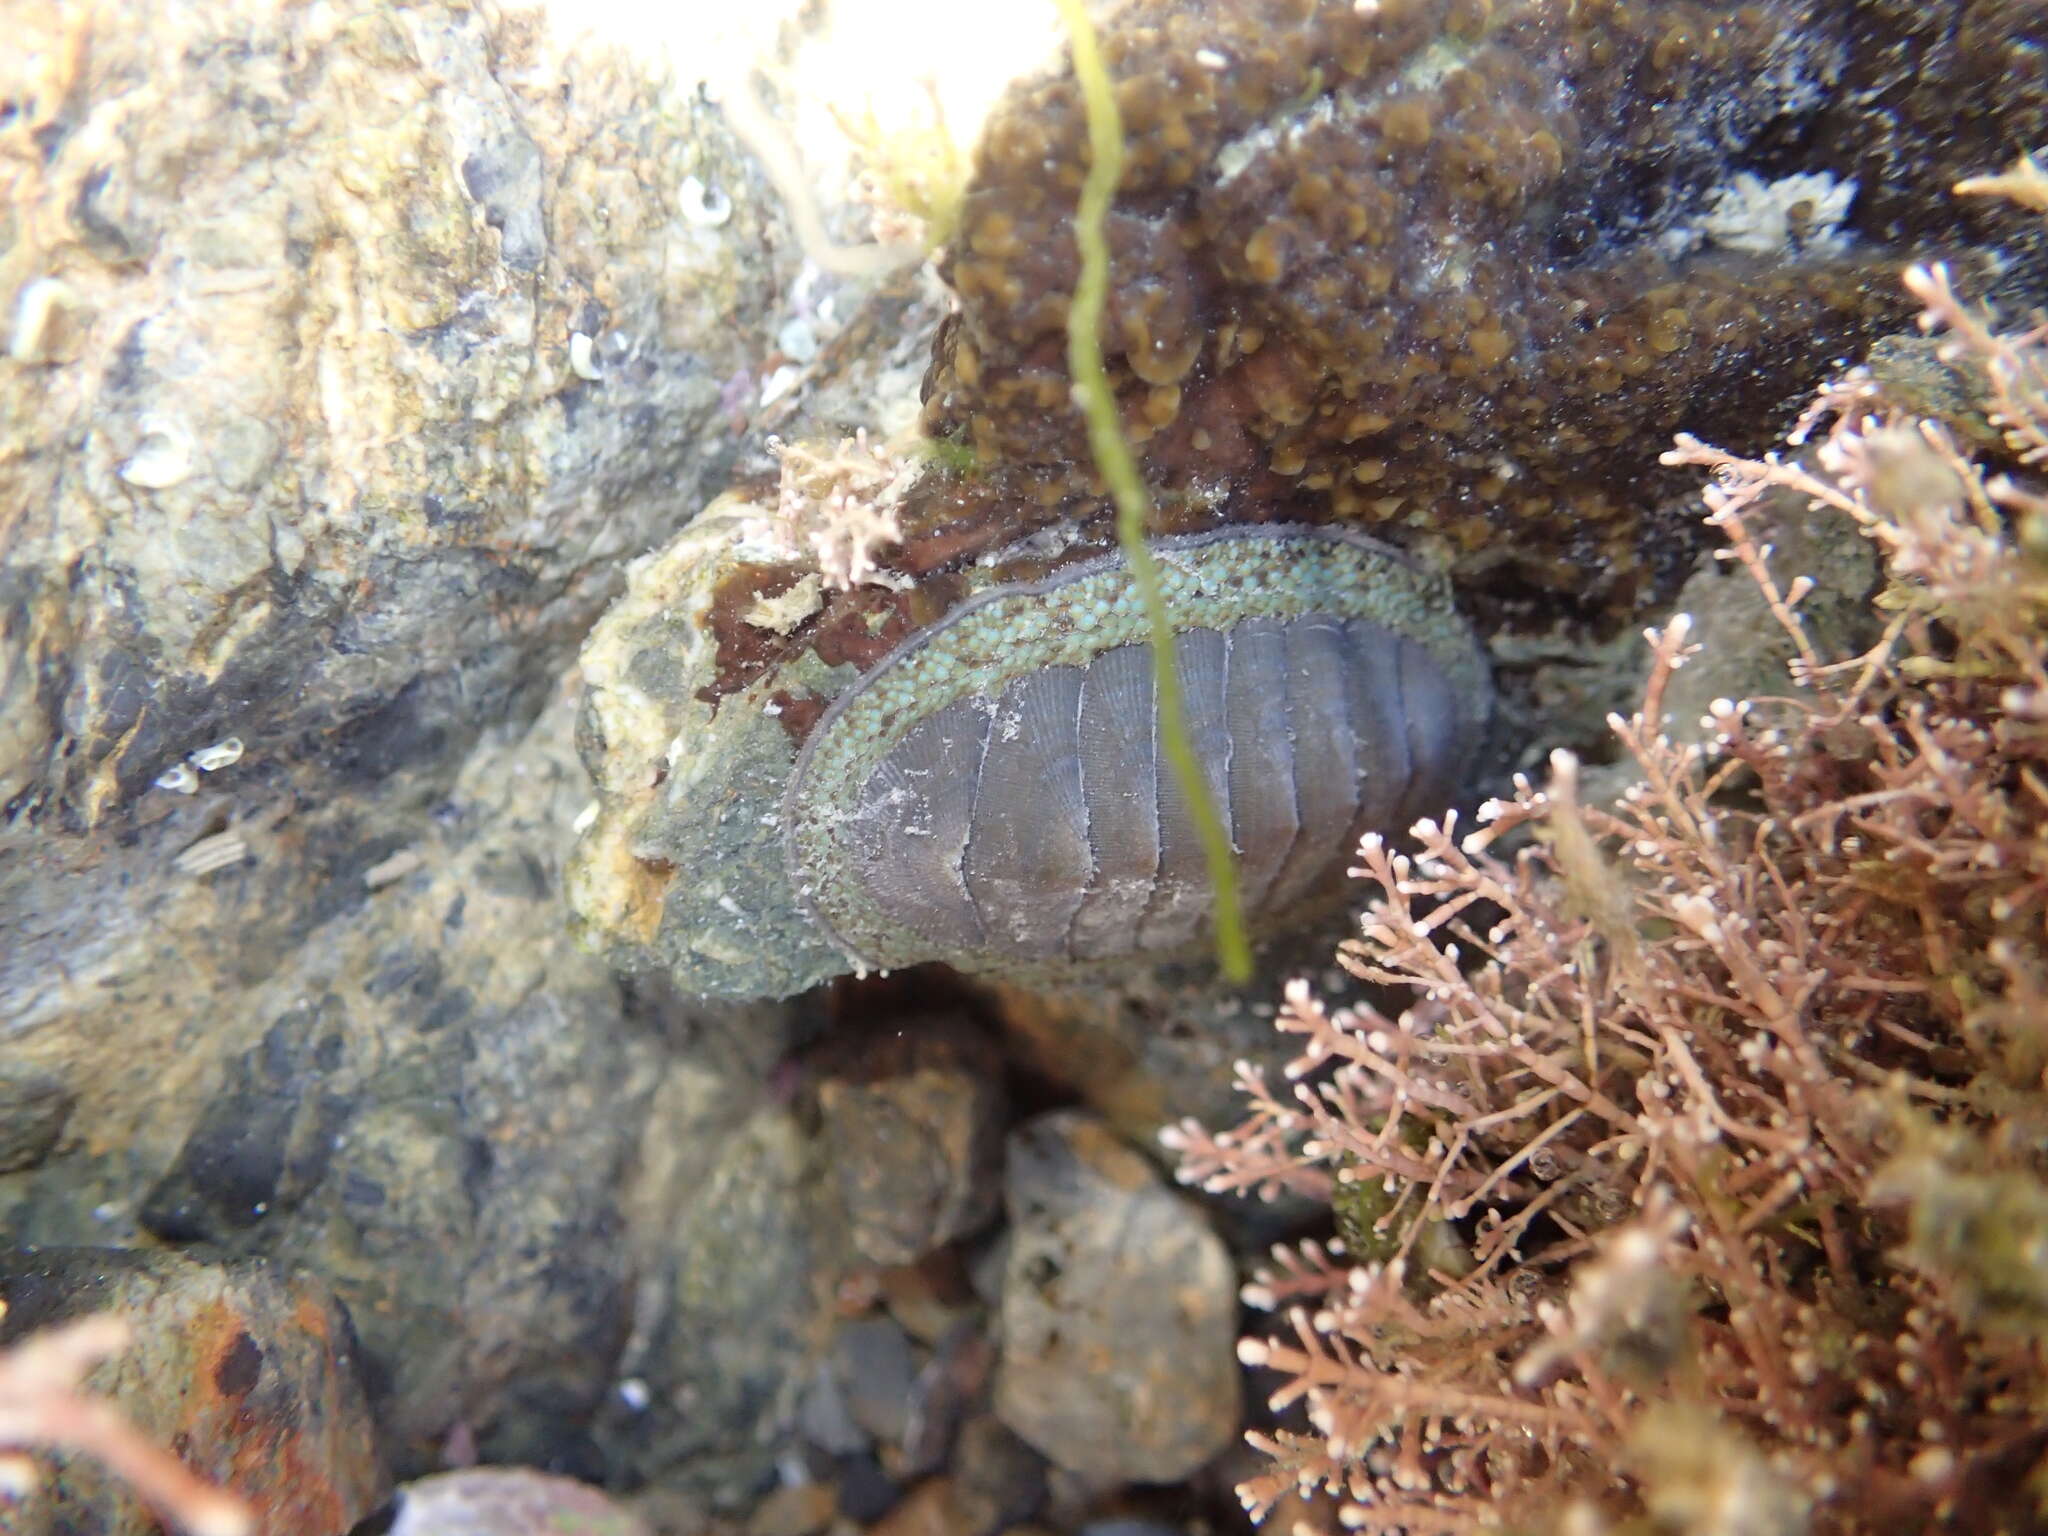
(930,1296)
(878,1371)
(912,1128)
(955,1380)
(510,1501)
(1119,1310)
(866,1492)
(824,1418)
(998,1480)
(926,1511)
(794,1509)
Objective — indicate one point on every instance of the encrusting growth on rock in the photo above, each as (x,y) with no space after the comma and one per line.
(1448,270)
(1451,270)
(1699,1185)
(44,1407)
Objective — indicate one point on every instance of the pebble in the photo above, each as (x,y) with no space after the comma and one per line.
(1118,1320)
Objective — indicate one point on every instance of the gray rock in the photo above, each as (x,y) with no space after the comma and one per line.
(725,1310)
(34,1107)
(309,504)
(295,296)
(875,1362)
(825,1417)
(1119,1311)
(433,1100)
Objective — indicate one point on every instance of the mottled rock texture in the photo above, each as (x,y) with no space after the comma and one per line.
(297,450)
(297,447)
(248,1370)
(911,1132)
(1118,1310)
(720,1235)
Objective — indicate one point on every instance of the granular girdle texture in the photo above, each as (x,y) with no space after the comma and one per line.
(994,793)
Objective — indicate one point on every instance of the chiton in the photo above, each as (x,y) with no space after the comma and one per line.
(993,792)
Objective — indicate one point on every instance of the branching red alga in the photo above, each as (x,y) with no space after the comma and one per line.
(1699,1185)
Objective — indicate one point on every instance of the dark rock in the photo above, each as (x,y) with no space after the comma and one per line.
(1119,1311)
(998,1480)
(931,1296)
(878,1370)
(34,1107)
(866,1491)
(431,1102)
(249,1371)
(951,1383)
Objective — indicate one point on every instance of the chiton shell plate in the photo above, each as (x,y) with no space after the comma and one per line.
(993,794)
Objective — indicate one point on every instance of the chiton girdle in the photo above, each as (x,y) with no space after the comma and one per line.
(1288,638)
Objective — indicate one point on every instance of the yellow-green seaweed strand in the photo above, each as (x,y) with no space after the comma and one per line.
(1120,473)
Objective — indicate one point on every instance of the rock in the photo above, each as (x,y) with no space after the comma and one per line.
(507,1501)
(998,1480)
(433,1101)
(866,1491)
(825,1416)
(1119,1310)
(250,1372)
(34,1107)
(929,1297)
(430,1102)
(727,1302)
(911,1127)
(305,290)
(952,1382)
(312,490)
(878,1370)
(795,1509)
(927,1510)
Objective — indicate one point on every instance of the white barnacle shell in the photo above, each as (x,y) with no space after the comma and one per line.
(706,207)
(163,458)
(220,755)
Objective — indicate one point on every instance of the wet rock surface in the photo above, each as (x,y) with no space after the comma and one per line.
(249,1369)
(309,492)
(312,487)
(1119,1310)
(911,1127)
(300,293)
